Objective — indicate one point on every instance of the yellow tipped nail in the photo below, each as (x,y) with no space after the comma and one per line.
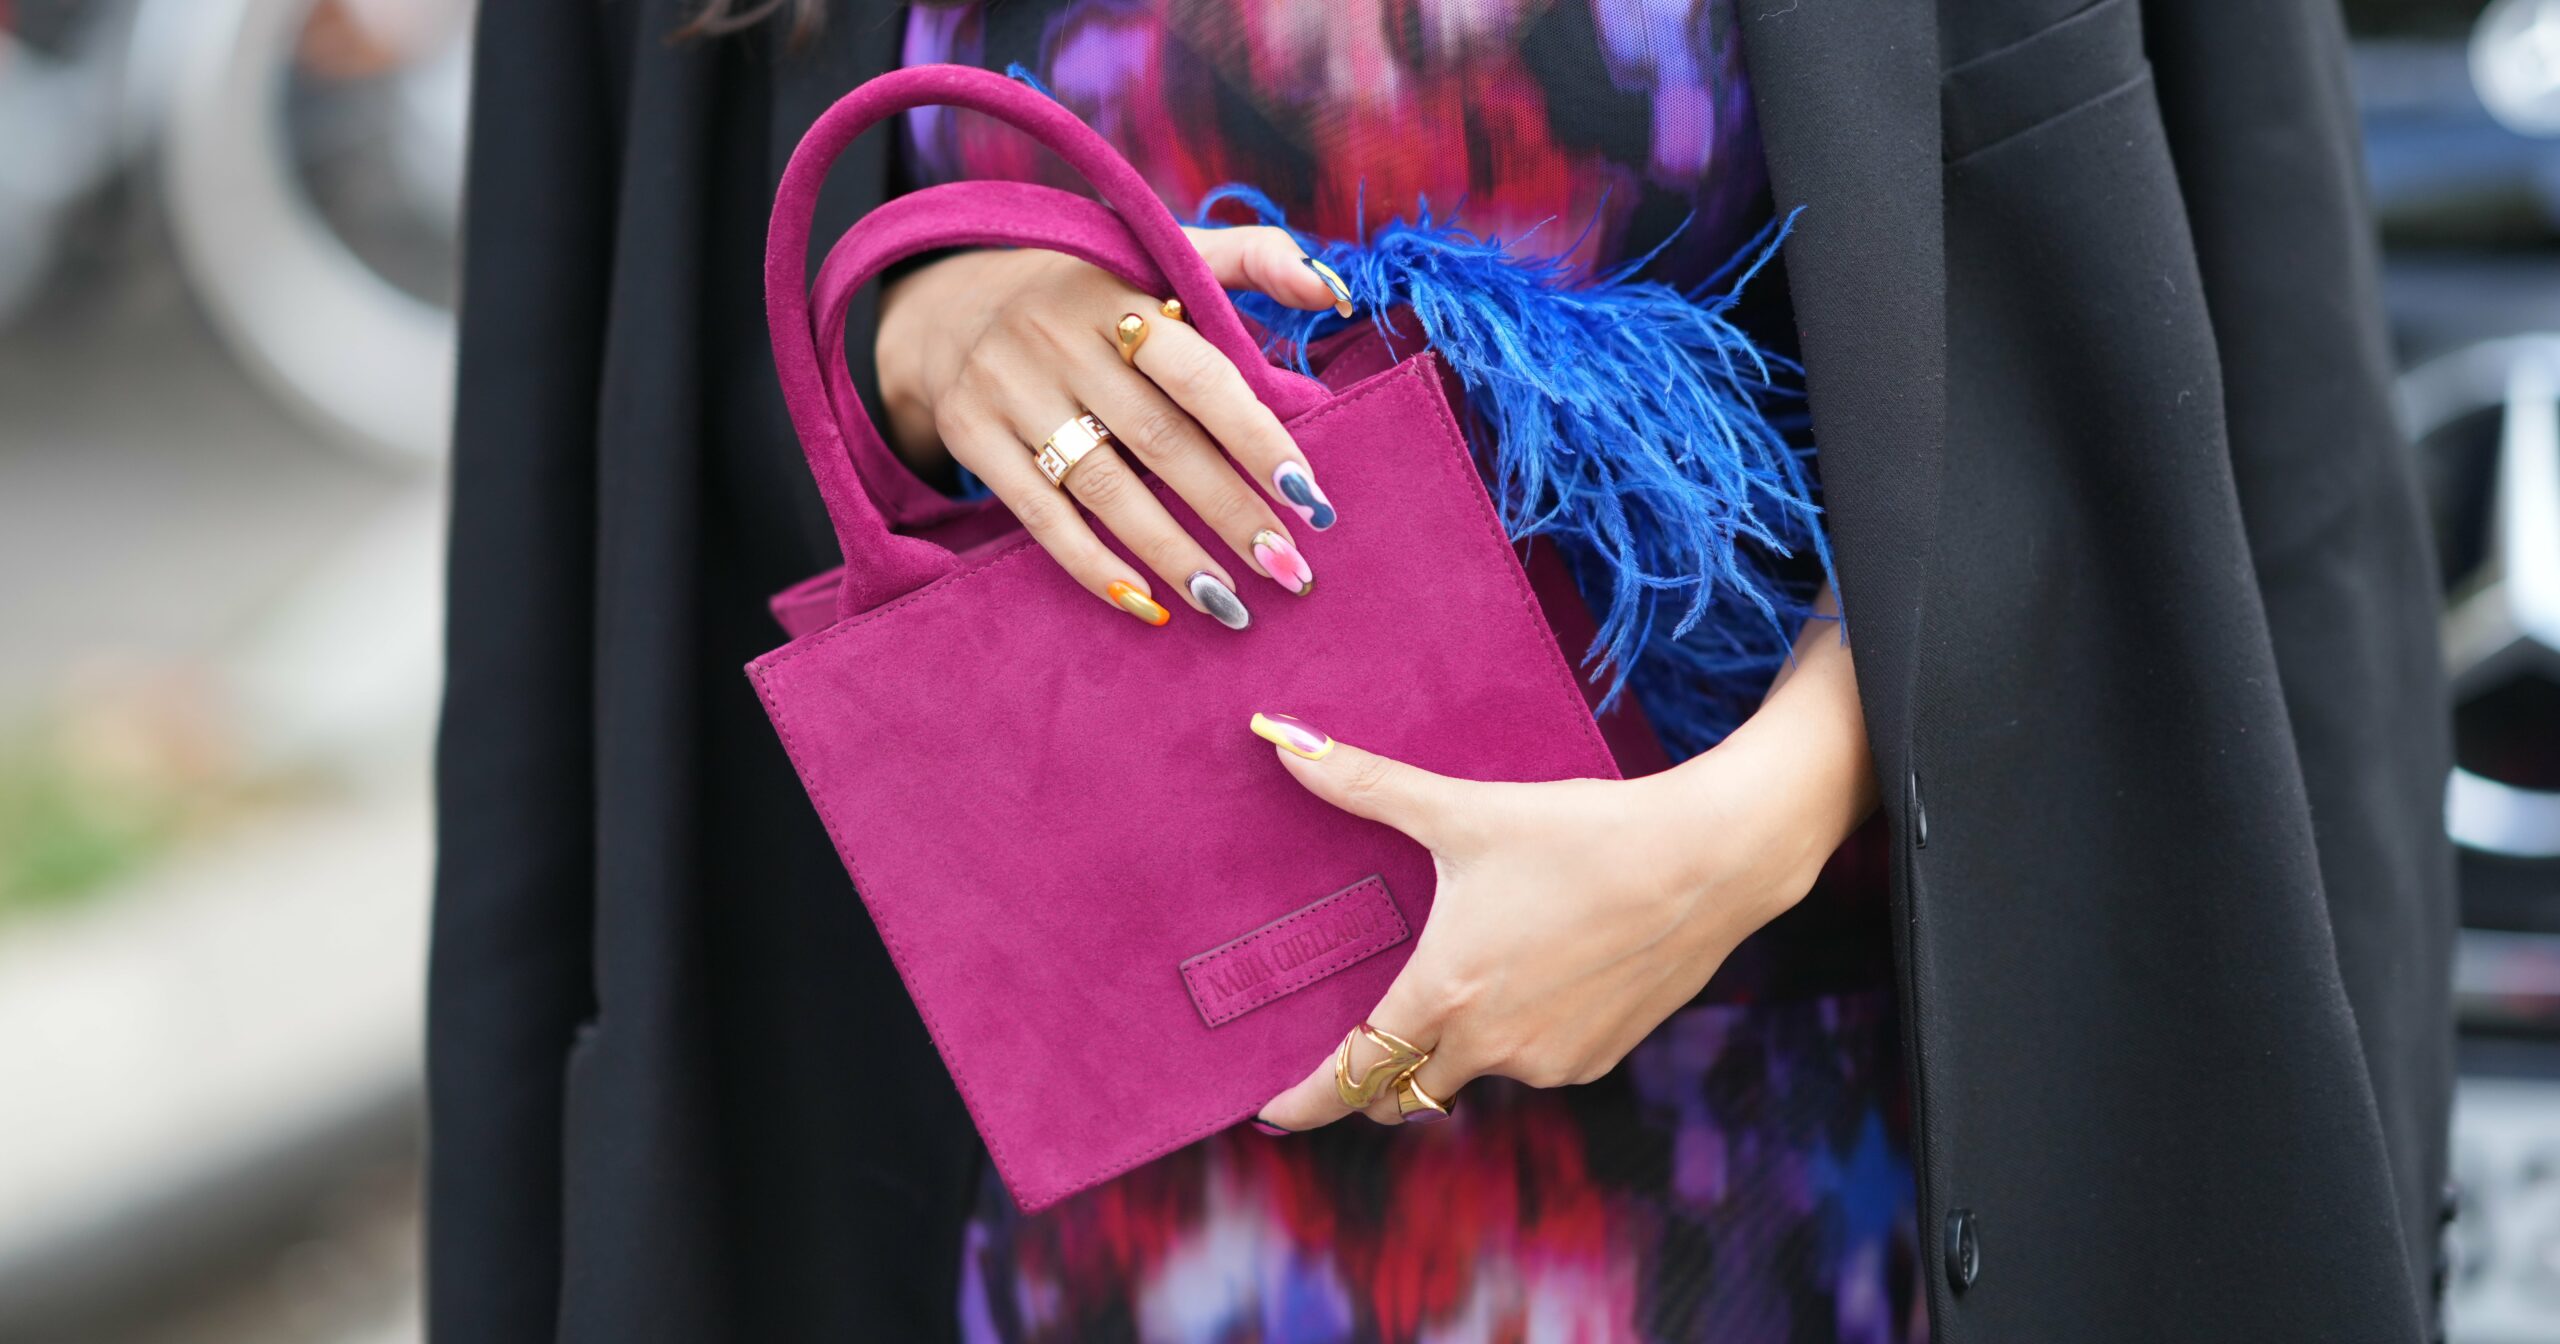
(1341,291)
(1137,604)
(1294,736)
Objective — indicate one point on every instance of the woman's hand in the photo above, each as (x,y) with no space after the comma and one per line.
(1573,917)
(985,355)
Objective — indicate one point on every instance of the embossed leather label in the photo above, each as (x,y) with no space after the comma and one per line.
(1294,951)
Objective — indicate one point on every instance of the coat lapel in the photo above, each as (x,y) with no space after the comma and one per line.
(1847,97)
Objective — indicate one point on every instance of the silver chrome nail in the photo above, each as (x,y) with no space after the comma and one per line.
(1219,600)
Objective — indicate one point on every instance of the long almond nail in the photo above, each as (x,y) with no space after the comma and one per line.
(1137,604)
(1294,736)
(1280,559)
(1219,600)
(1341,291)
(1298,486)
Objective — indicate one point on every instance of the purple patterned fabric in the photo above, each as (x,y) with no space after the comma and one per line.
(1745,1176)
(1743,1179)
(1572,124)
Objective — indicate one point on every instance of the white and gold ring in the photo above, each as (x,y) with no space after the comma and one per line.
(1061,451)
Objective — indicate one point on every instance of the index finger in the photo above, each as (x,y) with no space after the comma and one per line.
(1405,1011)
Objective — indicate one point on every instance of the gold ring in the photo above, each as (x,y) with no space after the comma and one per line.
(1417,1106)
(1403,1057)
(1132,331)
(1060,452)
(1172,308)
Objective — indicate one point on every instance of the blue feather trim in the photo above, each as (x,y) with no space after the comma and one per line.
(1633,426)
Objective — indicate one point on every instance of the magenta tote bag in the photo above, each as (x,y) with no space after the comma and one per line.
(1122,922)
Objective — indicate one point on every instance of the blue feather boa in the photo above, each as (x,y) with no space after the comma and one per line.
(1633,426)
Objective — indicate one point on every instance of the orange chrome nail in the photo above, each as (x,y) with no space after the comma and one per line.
(1137,604)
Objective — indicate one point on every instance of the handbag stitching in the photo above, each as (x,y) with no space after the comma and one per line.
(1331,963)
(762,671)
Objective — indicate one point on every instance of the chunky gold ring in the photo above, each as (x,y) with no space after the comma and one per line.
(1403,1057)
(1061,451)
(1417,1106)
(1132,331)
(1172,308)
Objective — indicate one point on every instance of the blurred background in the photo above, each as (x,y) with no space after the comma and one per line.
(226,277)
(227,257)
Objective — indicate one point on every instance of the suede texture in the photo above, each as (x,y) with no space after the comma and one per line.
(1048,807)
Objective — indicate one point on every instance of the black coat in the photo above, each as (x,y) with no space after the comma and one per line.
(2135,581)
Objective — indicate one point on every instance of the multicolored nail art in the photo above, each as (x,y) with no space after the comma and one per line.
(1137,604)
(1298,486)
(1341,291)
(1262,1126)
(1280,559)
(1219,600)
(1294,736)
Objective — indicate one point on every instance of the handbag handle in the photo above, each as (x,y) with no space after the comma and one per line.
(880,564)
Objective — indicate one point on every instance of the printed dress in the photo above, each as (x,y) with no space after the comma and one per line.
(1745,1175)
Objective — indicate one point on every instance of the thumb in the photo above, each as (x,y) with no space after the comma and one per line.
(1364,784)
(1260,257)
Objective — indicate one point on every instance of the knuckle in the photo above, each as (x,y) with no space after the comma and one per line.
(1232,513)
(1367,780)
(1499,1052)
(1158,432)
(1452,1000)
(1101,490)
(1544,1069)
(1040,514)
(1592,1071)
(1170,553)
(1196,372)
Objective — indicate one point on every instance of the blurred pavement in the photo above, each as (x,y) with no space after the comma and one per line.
(211,1098)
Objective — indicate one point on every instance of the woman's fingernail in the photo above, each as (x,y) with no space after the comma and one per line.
(1341,291)
(1294,736)
(1137,604)
(1262,1126)
(1279,558)
(1298,486)
(1219,600)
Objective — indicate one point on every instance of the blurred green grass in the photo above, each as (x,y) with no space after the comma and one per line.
(107,779)
(64,836)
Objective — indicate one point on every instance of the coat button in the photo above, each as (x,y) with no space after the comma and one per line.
(1964,1250)
(1919,815)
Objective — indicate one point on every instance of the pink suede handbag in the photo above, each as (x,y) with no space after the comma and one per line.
(1125,926)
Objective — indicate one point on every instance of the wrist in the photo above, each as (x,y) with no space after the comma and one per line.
(914,323)
(1759,815)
